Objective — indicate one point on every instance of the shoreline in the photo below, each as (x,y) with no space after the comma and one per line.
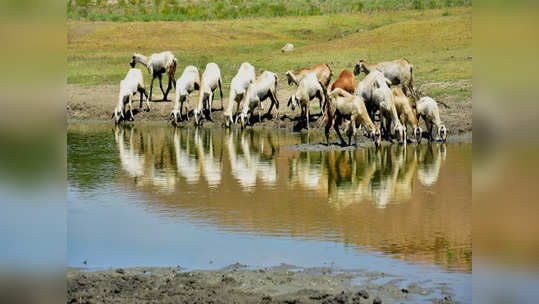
(97,103)
(238,283)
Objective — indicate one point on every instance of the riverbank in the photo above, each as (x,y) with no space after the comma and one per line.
(238,284)
(98,102)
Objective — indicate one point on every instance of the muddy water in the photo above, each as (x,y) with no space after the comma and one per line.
(150,195)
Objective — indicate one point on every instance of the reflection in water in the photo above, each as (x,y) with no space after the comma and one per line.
(244,181)
(382,176)
(430,160)
(248,159)
(132,161)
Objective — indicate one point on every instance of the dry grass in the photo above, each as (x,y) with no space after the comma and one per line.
(437,43)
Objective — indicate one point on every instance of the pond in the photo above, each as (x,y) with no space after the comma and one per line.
(153,195)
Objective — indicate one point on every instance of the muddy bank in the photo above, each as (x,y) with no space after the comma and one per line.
(238,284)
(98,102)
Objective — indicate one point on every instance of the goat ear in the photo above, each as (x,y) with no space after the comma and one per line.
(376,85)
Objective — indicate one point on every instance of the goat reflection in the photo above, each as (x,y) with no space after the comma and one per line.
(195,154)
(383,176)
(143,164)
(249,160)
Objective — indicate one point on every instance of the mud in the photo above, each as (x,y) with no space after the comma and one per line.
(98,102)
(239,284)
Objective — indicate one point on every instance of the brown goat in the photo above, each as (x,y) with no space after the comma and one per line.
(345,81)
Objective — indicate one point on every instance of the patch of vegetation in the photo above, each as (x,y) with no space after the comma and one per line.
(99,53)
(182,10)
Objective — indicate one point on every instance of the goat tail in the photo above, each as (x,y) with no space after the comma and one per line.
(172,69)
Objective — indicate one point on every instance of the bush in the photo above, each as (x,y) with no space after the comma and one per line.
(148,10)
(418,4)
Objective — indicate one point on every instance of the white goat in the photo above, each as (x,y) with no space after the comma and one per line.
(158,64)
(398,71)
(377,95)
(186,84)
(129,86)
(238,90)
(264,87)
(427,108)
(308,89)
(211,79)
(323,73)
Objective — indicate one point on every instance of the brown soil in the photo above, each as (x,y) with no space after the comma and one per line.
(236,284)
(98,102)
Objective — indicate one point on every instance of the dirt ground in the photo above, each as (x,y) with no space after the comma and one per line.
(98,103)
(238,284)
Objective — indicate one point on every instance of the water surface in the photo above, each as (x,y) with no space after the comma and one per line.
(152,195)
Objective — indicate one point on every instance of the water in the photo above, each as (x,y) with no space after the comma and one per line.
(150,195)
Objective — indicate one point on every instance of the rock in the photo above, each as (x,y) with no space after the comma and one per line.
(469,57)
(377,300)
(289,47)
(363,293)
(404,290)
(120,271)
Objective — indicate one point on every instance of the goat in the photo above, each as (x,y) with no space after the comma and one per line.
(157,64)
(238,90)
(211,79)
(343,104)
(345,81)
(264,87)
(398,71)
(185,85)
(427,108)
(374,89)
(129,86)
(308,89)
(323,73)
(406,112)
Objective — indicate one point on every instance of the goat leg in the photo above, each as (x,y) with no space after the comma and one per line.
(336,125)
(169,87)
(151,88)
(161,86)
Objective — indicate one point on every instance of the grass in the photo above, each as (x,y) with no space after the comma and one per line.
(436,41)
(182,10)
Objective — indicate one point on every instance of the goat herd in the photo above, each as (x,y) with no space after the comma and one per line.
(344,103)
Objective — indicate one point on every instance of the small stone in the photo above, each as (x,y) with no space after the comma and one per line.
(404,290)
(377,300)
(120,271)
(363,293)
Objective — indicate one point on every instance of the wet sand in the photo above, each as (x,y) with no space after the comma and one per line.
(238,284)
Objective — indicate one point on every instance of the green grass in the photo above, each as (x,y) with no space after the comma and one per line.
(437,43)
(182,10)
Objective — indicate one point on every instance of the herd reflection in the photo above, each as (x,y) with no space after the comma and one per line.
(382,176)
(247,181)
